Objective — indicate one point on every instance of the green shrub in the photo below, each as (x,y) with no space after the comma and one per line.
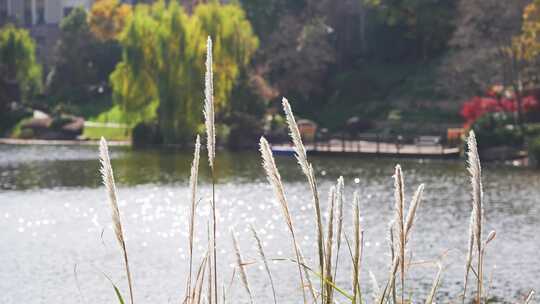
(19,132)
(145,134)
(497,129)
(245,130)
(534,151)
(10,119)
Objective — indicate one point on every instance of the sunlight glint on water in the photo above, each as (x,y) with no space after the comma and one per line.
(53,212)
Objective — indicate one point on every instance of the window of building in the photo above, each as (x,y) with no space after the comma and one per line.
(67,10)
(3,11)
(40,10)
(27,12)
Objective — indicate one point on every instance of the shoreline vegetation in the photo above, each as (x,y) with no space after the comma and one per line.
(316,282)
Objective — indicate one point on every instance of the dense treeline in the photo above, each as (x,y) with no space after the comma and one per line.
(380,60)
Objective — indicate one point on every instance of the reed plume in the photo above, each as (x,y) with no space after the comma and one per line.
(411,215)
(211,147)
(274,178)
(294,132)
(260,249)
(403,226)
(209,105)
(240,263)
(108,180)
(307,169)
(475,172)
(193,187)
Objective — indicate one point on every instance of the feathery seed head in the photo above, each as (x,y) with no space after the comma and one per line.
(108,180)
(209,105)
(294,132)
(475,171)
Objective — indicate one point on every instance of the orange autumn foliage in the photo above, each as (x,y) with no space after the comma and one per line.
(108,18)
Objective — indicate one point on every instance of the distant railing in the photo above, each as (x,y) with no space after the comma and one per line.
(372,143)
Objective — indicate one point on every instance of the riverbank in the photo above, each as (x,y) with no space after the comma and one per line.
(17,141)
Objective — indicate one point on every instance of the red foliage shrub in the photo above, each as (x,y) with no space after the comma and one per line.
(477,106)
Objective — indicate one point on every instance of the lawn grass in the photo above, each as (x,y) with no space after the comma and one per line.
(109,133)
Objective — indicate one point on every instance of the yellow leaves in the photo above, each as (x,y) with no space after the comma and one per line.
(108,18)
(526,46)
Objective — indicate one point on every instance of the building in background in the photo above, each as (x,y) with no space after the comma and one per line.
(42,19)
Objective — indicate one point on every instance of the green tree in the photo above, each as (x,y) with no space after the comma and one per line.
(428,24)
(18,66)
(83,63)
(163,62)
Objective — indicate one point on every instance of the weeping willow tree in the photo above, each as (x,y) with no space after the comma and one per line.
(18,63)
(163,63)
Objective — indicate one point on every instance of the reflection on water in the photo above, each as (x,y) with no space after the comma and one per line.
(53,212)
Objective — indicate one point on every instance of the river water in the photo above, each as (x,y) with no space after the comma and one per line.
(57,245)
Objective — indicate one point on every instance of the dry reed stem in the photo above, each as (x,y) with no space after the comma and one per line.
(399,197)
(529,298)
(435,285)
(193,186)
(210,267)
(404,227)
(329,243)
(260,249)
(108,180)
(375,286)
(470,251)
(307,169)
(240,263)
(475,171)
(340,189)
(274,178)
(199,280)
(209,116)
(391,241)
(357,245)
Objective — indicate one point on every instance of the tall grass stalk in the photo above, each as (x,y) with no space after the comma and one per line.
(475,172)
(196,292)
(470,248)
(400,229)
(241,268)
(399,197)
(193,187)
(108,180)
(209,117)
(529,297)
(340,189)
(307,169)
(274,178)
(260,250)
(357,296)
(436,282)
(329,243)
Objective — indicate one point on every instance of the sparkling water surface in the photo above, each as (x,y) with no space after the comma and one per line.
(57,244)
